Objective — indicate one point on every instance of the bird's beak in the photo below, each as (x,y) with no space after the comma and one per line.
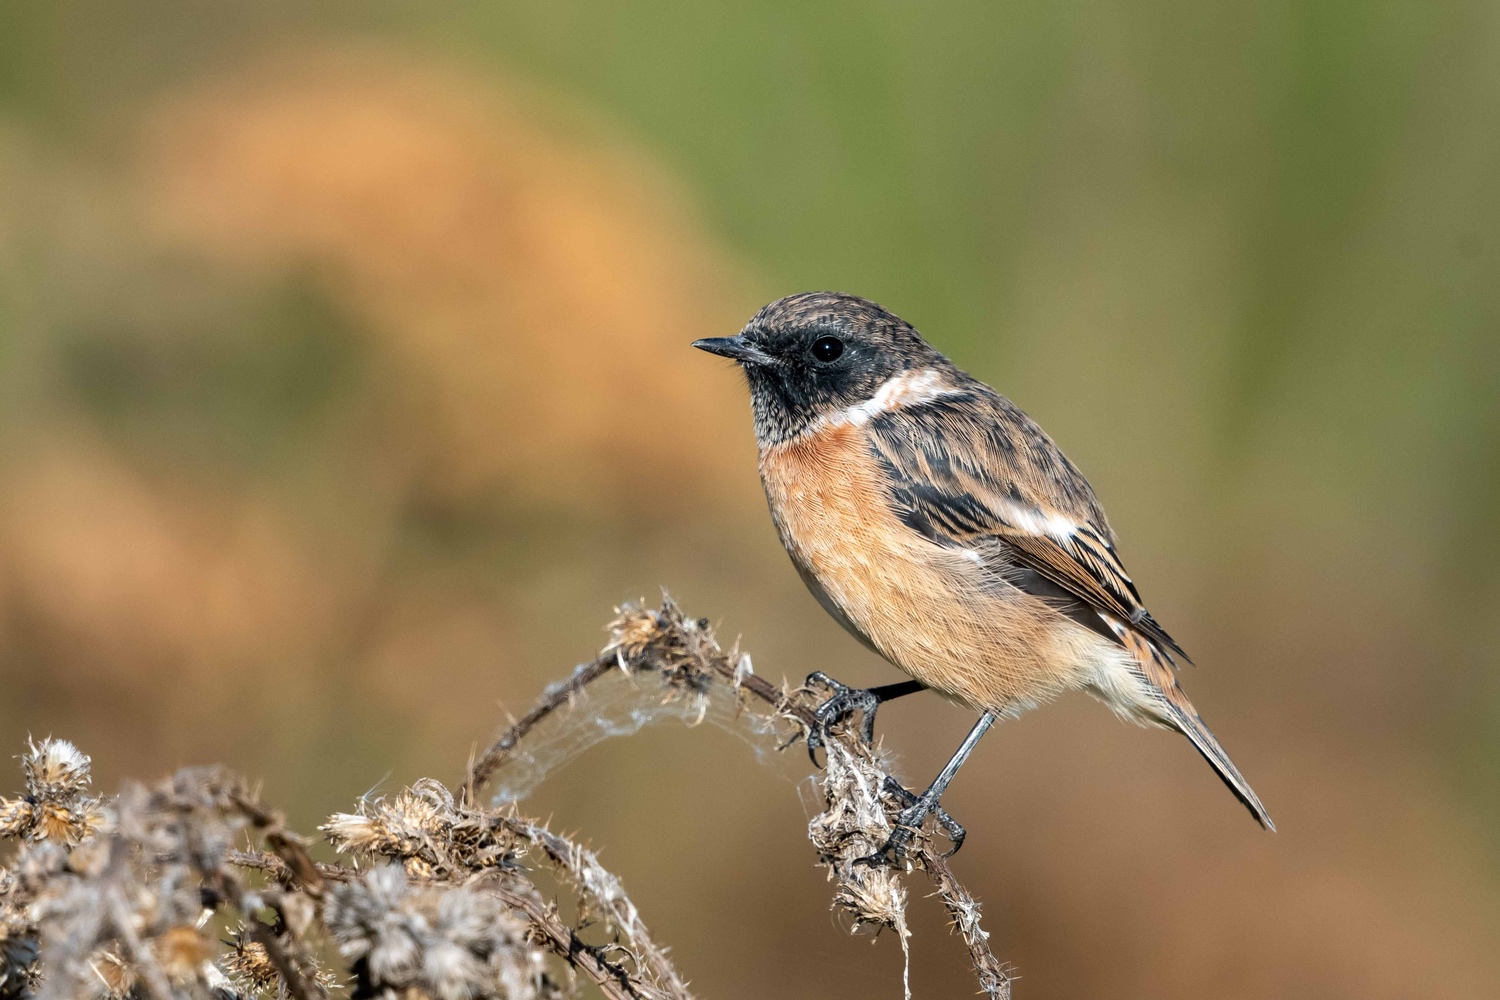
(737,348)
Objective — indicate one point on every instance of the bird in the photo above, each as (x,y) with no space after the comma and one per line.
(946,531)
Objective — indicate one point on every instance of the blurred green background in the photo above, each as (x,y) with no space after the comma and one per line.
(344,388)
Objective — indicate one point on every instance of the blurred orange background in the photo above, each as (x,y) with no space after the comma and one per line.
(345,388)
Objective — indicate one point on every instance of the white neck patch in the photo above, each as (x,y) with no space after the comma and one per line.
(906,389)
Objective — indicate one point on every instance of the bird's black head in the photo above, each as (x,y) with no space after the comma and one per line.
(811,355)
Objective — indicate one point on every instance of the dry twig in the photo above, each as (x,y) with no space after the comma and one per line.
(686,656)
(555,697)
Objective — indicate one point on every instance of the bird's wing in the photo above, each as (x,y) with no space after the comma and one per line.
(970,470)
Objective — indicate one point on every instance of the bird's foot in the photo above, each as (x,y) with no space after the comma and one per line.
(908,822)
(844,702)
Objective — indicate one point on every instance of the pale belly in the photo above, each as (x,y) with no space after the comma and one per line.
(933,611)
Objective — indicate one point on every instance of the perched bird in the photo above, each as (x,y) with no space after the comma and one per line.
(946,531)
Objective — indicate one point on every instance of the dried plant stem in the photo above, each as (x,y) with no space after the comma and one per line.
(289,847)
(291,851)
(262,861)
(581,866)
(613,980)
(297,985)
(673,642)
(497,753)
(556,696)
(994,975)
(114,888)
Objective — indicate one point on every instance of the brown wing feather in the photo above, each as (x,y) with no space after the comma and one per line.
(1086,565)
(970,468)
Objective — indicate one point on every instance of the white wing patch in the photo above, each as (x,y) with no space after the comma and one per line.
(1037,522)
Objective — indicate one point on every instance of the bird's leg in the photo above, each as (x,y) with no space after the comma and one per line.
(910,819)
(846,701)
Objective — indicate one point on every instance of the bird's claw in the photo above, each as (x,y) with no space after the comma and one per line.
(908,821)
(892,853)
(915,809)
(845,701)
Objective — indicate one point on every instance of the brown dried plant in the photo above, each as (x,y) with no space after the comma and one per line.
(115,898)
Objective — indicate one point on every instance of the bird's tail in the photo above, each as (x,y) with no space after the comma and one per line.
(1187,721)
(1167,705)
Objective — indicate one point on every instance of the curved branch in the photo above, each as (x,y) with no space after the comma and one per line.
(681,647)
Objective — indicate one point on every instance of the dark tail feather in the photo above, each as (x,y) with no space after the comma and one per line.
(1190,725)
(1172,708)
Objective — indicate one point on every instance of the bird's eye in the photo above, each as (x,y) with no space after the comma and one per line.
(827,349)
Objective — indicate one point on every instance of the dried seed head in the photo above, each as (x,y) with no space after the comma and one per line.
(57,806)
(250,971)
(55,769)
(633,627)
(425,829)
(452,971)
(367,921)
(111,972)
(679,648)
(354,833)
(405,826)
(853,825)
(249,966)
(17,816)
(55,821)
(445,941)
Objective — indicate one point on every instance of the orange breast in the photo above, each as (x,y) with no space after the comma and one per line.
(929,609)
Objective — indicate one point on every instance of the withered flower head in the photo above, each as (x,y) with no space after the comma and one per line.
(16,817)
(250,971)
(449,942)
(425,829)
(853,824)
(249,965)
(680,648)
(55,769)
(57,806)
